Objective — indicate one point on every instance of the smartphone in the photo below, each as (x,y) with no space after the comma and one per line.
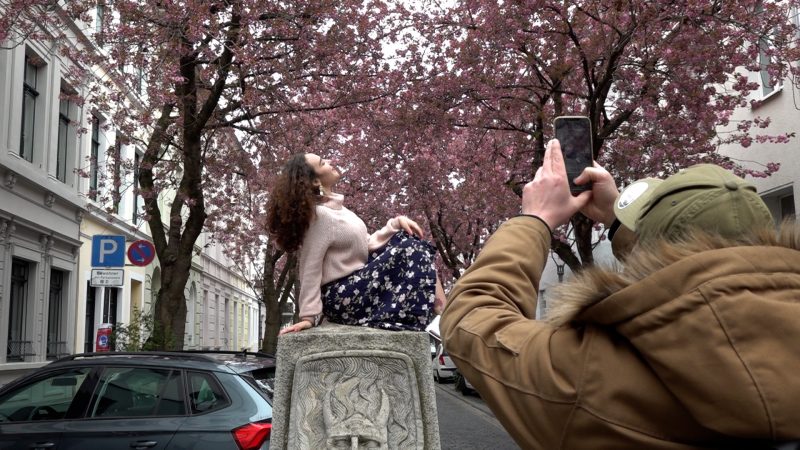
(575,135)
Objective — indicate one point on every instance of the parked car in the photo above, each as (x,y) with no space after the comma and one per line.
(462,384)
(143,400)
(443,367)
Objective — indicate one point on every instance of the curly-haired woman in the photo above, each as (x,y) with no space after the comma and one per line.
(381,280)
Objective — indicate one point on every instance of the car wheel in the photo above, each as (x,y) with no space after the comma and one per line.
(461,386)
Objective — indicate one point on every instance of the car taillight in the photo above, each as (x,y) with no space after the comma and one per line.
(441,359)
(252,435)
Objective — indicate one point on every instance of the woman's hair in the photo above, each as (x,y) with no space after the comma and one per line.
(291,203)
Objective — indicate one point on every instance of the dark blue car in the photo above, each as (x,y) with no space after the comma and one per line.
(144,400)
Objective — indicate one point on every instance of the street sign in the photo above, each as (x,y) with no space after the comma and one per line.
(107,278)
(108,251)
(141,253)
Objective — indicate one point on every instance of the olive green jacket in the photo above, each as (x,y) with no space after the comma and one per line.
(692,345)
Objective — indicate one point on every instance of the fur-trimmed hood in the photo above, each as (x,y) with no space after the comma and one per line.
(717,321)
(595,284)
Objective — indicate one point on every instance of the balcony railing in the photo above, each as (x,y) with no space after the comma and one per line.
(56,349)
(18,350)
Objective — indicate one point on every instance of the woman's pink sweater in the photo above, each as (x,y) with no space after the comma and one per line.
(336,244)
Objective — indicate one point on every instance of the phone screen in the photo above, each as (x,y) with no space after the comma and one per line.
(574,134)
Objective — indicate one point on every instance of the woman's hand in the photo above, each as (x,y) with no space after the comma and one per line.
(299,326)
(409,226)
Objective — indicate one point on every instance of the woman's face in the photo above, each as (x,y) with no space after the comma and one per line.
(326,173)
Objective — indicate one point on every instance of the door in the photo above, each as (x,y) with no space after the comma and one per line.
(131,408)
(32,413)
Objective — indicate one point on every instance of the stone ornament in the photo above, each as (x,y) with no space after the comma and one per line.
(356,400)
(7,229)
(10,180)
(49,199)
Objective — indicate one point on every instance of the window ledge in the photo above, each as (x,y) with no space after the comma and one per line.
(761,101)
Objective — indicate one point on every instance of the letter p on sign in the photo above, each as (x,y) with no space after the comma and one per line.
(108,251)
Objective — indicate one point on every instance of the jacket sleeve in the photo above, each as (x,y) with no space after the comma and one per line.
(527,369)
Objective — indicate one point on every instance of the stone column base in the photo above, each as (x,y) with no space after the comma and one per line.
(340,386)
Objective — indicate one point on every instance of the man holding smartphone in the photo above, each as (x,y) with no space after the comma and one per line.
(691,343)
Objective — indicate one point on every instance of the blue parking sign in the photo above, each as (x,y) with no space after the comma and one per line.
(108,251)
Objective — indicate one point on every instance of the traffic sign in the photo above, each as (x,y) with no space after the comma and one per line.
(141,253)
(107,278)
(108,251)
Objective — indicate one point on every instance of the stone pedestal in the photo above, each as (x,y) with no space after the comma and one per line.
(349,387)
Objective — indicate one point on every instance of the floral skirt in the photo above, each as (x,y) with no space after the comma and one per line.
(395,290)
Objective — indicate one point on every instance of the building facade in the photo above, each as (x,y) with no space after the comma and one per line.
(780,101)
(53,150)
(41,208)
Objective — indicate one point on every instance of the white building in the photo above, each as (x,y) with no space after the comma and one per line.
(40,208)
(781,103)
(48,216)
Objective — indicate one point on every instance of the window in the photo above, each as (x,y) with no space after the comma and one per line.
(88,329)
(204,320)
(56,342)
(18,345)
(787,207)
(205,393)
(64,123)
(225,326)
(100,22)
(795,13)
(110,305)
(47,398)
(763,62)
(138,392)
(30,96)
(116,176)
(137,160)
(95,158)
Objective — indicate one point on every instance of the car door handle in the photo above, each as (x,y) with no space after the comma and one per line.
(139,445)
(38,445)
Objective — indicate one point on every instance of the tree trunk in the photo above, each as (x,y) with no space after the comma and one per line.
(275,294)
(169,322)
(187,214)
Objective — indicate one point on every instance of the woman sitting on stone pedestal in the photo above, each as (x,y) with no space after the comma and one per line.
(381,280)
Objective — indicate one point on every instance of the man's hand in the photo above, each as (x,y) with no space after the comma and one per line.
(604,193)
(548,195)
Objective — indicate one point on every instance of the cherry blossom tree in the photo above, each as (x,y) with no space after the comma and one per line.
(659,80)
(183,79)
(467,125)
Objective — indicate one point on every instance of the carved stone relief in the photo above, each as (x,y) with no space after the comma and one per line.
(49,199)
(10,180)
(7,229)
(46,243)
(356,400)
